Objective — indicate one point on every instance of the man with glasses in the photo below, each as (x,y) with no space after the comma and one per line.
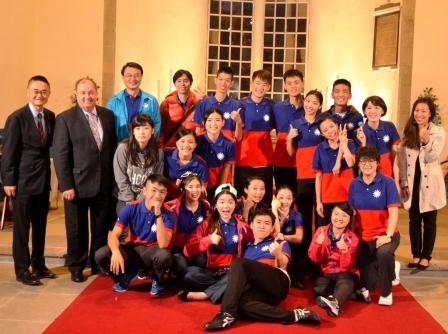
(25,170)
(132,101)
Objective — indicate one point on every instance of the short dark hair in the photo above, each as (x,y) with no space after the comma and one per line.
(367,152)
(264,75)
(38,78)
(133,65)
(226,70)
(376,101)
(158,178)
(346,208)
(325,117)
(260,209)
(182,132)
(292,73)
(317,94)
(211,111)
(344,82)
(252,178)
(180,73)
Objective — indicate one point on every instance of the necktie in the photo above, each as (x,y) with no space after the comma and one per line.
(40,127)
(93,122)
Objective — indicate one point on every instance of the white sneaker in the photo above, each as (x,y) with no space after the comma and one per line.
(364,295)
(386,301)
(396,281)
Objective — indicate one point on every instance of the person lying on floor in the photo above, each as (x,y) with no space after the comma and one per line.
(335,248)
(258,282)
(150,231)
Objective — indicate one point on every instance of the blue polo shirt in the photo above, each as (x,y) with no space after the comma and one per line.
(216,155)
(255,148)
(260,252)
(142,223)
(132,105)
(353,120)
(383,139)
(223,256)
(334,188)
(371,202)
(188,220)
(284,113)
(293,222)
(226,106)
(306,143)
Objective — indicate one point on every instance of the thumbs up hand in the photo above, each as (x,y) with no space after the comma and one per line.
(321,237)
(235,115)
(293,133)
(215,237)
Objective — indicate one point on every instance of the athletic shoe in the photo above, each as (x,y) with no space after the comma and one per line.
(220,321)
(142,274)
(364,295)
(305,316)
(396,281)
(386,301)
(157,288)
(125,281)
(329,304)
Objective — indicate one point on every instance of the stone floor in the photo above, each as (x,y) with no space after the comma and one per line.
(430,288)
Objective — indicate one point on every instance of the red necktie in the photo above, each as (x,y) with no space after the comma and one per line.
(40,128)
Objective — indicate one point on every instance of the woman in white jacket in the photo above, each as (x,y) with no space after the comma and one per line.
(421,179)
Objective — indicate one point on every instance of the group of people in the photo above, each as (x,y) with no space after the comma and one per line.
(194,192)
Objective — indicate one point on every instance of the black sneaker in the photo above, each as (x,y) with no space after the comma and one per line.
(305,316)
(329,304)
(364,295)
(221,321)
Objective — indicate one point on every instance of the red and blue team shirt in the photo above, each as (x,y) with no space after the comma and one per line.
(142,223)
(306,143)
(352,118)
(260,252)
(223,256)
(292,223)
(383,138)
(226,107)
(371,202)
(174,170)
(216,155)
(255,148)
(284,113)
(334,188)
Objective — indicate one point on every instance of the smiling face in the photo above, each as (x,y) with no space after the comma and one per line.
(285,198)
(38,93)
(225,204)
(311,105)
(132,78)
(255,191)
(373,113)
(193,190)
(368,166)
(259,88)
(262,226)
(422,114)
(223,83)
(341,95)
(155,194)
(183,85)
(186,145)
(143,134)
(329,129)
(214,123)
(293,86)
(339,218)
(86,95)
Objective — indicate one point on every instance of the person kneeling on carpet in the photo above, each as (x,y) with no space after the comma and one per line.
(254,288)
(150,232)
(335,248)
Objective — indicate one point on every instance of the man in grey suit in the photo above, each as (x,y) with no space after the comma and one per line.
(84,146)
(25,169)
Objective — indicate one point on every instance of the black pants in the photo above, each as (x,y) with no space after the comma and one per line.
(77,228)
(377,265)
(254,289)
(149,258)
(181,262)
(29,210)
(340,285)
(285,176)
(243,173)
(328,209)
(199,278)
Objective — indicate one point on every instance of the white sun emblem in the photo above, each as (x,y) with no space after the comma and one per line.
(200,219)
(235,238)
(266,118)
(317,132)
(227,115)
(154,228)
(386,138)
(265,248)
(350,126)
(377,193)
(220,155)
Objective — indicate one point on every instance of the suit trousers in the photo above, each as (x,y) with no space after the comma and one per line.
(29,210)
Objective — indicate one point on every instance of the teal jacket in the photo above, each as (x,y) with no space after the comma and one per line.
(148,106)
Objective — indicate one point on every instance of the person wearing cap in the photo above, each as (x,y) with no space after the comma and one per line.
(221,237)
(191,209)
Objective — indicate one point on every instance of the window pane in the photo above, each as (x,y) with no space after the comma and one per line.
(236,82)
(235,68)
(213,37)
(235,54)
(210,81)
(279,25)
(236,23)
(225,22)
(269,25)
(269,10)
(225,37)
(301,56)
(288,67)
(247,39)
(223,53)
(223,64)
(236,8)
(290,41)
(245,69)
(236,38)
(280,10)
(277,97)
(268,40)
(268,67)
(291,10)
(302,10)
(289,55)
(247,9)
(214,6)
(267,54)
(225,7)
(301,41)
(212,66)
(301,25)
(291,25)
(246,53)
(213,52)
(278,70)
(245,83)
(278,85)
(214,22)
(247,25)
(279,40)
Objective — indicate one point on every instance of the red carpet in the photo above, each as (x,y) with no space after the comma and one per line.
(99,310)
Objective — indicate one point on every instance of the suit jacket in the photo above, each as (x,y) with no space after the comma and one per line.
(78,162)
(25,160)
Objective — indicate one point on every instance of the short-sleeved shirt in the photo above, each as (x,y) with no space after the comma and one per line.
(255,148)
(226,107)
(142,223)
(292,223)
(306,143)
(353,120)
(188,220)
(334,188)
(371,202)
(285,113)
(224,256)
(216,155)
(383,138)
(260,251)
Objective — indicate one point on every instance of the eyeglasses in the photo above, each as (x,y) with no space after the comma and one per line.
(40,92)
(135,76)
(367,161)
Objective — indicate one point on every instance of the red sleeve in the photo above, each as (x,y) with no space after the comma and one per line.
(316,251)
(348,259)
(199,241)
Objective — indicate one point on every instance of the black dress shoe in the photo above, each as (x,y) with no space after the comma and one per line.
(28,279)
(77,277)
(43,273)
(183,295)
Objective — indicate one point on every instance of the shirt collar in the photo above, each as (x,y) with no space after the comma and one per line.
(127,95)
(93,112)
(34,110)
(380,126)
(376,179)
(214,100)
(218,141)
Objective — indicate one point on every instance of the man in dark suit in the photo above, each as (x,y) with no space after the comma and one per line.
(25,169)
(84,146)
